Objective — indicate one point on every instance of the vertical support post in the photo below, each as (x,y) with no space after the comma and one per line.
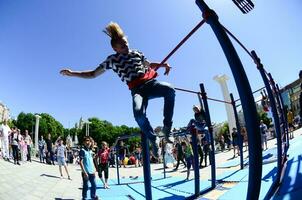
(146,167)
(196,168)
(277,126)
(281,118)
(247,100)
(164,160)
(209,124)
(284,117)
(37,132)
(117,165)
(238,130)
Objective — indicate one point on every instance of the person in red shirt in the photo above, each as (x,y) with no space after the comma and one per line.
(103,164)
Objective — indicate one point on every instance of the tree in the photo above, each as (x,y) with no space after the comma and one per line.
(48,124)
(26,121)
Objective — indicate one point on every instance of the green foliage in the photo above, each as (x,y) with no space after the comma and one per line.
(102,130)
(99,130)
(263,116)
(25,121)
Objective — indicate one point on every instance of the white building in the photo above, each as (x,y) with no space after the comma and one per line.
(4,112)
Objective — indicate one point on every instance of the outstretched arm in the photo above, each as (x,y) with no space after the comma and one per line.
(156,66)
(83,74)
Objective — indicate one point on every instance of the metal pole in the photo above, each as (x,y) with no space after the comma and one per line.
(277,126)
(247,100)
(284,117)
(240,138)
(281,118)
(196,168)
(209,125)
(117,165)
(164,160)
(37,132)
(146,167)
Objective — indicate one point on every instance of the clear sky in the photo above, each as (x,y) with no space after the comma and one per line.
(38,38)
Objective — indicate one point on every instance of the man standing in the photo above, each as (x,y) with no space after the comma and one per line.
(4,134)
(41,149)
(50,153)
(28,142)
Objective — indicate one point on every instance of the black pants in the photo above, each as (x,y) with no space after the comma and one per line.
(206,150)
(200,152)
(103,167)
(28,153)
(15,153)
(180,158)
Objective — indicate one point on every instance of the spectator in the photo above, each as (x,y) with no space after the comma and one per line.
(41,145)
(103,163)
(263,131)
(179,154)
(245,138)
(138,156)
(16,138)
(122,152)
(61,157)
(50,154)
(23,149)
(28,142)
(235,137)
(88,169)
(5,132)
(188,152)
(112,157)
(290,121)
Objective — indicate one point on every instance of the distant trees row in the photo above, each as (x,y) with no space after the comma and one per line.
(99,130)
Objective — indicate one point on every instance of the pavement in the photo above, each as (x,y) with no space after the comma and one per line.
(36,181)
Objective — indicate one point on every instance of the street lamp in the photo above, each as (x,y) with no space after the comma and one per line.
(87,127)
(37,131)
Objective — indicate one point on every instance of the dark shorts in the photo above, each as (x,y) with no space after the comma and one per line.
(138,156)
(121,157)
(103,167)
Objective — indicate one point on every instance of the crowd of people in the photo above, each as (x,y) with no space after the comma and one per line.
(15,145)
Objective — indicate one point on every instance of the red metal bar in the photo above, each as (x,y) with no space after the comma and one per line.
(183,41)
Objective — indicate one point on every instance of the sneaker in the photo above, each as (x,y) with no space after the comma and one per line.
(166,132)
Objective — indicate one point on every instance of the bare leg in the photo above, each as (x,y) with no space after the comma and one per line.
(60,169)
(65,166)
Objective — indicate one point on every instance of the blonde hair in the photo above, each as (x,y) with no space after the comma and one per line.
(114,31)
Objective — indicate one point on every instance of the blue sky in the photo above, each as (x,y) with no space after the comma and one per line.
(38,38)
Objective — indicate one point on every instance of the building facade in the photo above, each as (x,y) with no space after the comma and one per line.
(4,112)
(290,95)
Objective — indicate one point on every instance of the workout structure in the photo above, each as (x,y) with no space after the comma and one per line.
(247,104)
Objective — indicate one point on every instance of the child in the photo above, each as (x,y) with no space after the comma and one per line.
(139,74)
(61,157)
(88,169)
(188,152)
(103,164)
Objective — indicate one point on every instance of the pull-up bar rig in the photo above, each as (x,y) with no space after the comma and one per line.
(276,102)
(247,100)
(199,93)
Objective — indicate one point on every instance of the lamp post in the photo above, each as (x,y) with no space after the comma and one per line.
(87,127)
(37,131)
